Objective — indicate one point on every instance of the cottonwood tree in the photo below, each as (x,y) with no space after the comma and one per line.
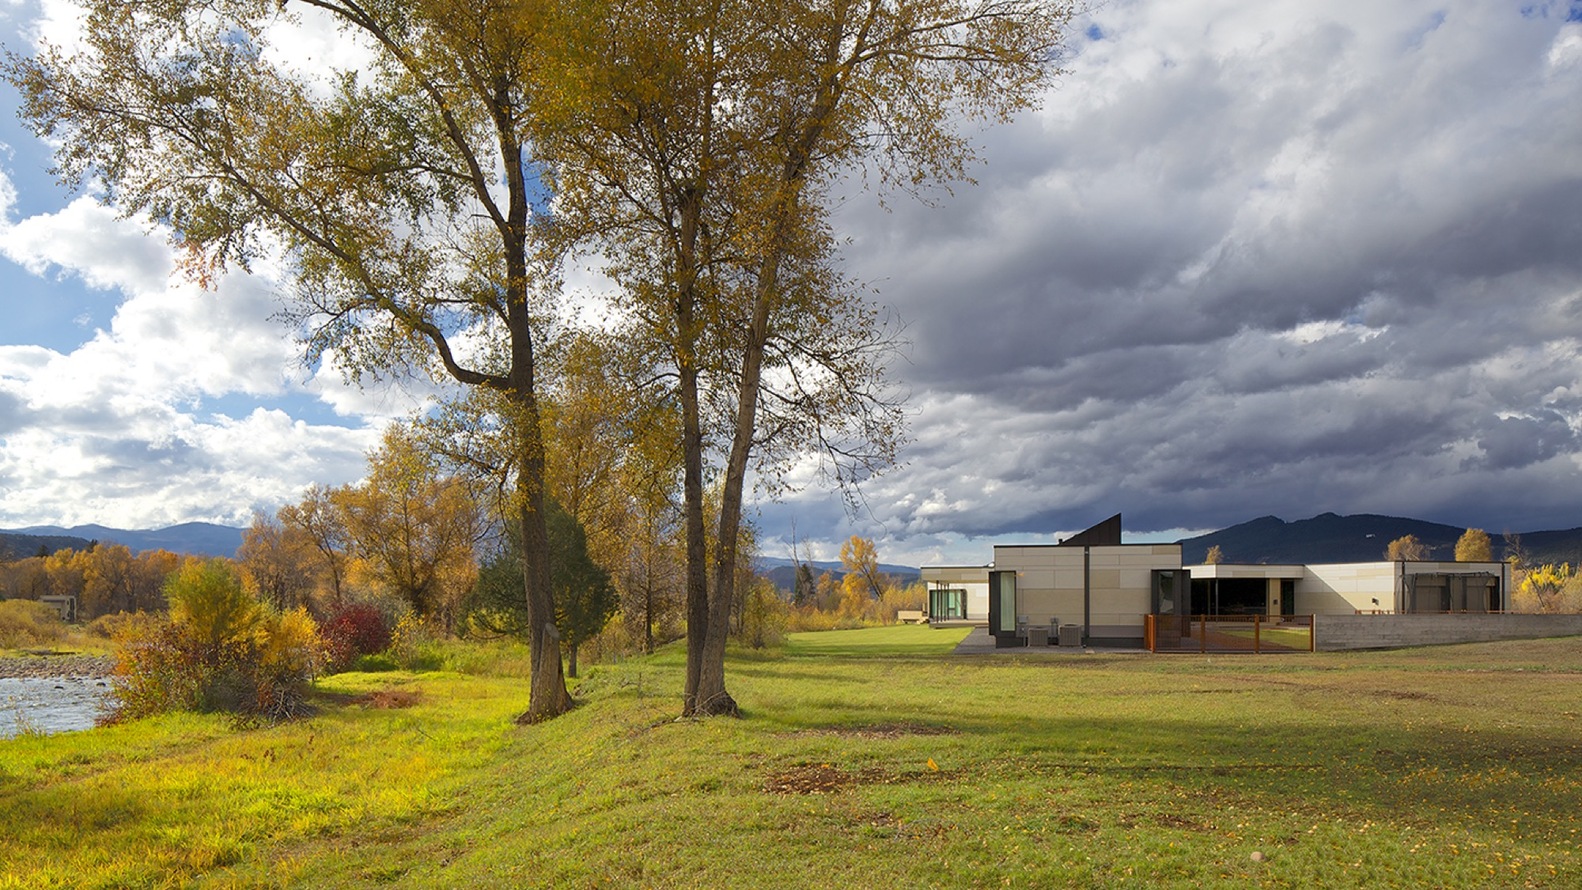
(1474,546)
(611,461)
(1406,547)
(322,523)
(614,464)
(710,139)
(860,559)
(394,195)
(415,526)
(278,560)
(108,580)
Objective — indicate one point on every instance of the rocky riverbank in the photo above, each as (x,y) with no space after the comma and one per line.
(68,664)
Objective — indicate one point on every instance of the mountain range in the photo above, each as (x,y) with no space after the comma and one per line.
(783,571)
(1267,539)
(197,538)
(1363,538)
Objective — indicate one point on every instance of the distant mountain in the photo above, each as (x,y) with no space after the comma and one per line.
(1360,538)
(14,545)
(783,571)
(198,538)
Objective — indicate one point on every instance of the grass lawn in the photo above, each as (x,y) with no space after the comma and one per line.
(865,758)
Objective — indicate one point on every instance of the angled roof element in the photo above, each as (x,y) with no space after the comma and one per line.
(1105,534)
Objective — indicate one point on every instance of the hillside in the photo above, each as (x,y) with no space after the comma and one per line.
(15,545)
(199,538)
(1360,538)
(783,571)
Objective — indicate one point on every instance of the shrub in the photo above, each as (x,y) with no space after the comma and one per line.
(289,656)
(28,623)
(811,618)
(210,601)
(110,627)
(157,669)
(764,617)
(355,630)
(220,650)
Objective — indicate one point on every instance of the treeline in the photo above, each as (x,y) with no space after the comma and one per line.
(105,578)
(423,537)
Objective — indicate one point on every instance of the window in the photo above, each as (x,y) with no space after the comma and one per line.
(1005,596)
(946,603)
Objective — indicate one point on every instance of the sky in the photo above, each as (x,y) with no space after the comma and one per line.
(1250,257)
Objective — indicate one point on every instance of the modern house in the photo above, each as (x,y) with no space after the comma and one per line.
(1095,590)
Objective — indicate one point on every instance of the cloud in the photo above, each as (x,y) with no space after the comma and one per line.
(1250,259)
(88,240)
(150,471)
(125,426)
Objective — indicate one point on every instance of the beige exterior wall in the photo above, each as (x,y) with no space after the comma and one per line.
(1050,584)
(1346,588)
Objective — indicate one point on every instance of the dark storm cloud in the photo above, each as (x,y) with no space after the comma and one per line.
(1330,262)
(1516,442)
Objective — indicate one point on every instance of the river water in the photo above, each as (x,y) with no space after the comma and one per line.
(50,704)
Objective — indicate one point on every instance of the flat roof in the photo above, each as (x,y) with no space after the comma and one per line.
(1245,570)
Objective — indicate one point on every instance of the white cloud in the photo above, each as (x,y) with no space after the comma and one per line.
(120,429)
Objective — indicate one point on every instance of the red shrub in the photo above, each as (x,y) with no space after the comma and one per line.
(357,629)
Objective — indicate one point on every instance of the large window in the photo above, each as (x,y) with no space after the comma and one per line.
(1005,597)
(946,603)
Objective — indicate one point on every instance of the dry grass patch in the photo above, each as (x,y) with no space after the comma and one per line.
(388,699)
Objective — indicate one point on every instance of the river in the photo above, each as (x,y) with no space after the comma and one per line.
(48,705)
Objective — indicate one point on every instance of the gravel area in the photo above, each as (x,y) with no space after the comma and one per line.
(61,665)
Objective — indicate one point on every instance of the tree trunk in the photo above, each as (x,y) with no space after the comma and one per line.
(697,553)
(698,617)
(648,611)
(571,660)
(712,697)
(547,695)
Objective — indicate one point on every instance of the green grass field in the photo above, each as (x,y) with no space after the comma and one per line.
(865,758)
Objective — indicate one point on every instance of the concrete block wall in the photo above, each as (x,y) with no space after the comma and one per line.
(1334,633)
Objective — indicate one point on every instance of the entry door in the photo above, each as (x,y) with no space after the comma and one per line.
(1171,601)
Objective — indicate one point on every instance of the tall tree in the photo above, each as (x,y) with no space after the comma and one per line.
(416,526)
(396,194)
(712,135)
(803,587)
(278,559)
(109,580)
(611,459)
(322,521)
(860,559)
